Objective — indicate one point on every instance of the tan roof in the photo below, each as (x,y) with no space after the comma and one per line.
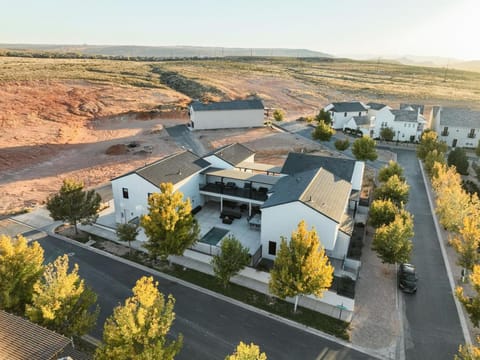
(21,339)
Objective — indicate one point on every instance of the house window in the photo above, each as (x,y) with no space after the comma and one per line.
(272,248)
(360,113)
(471,134)
(445,131)
(148,195)
(125,193)
(345,114)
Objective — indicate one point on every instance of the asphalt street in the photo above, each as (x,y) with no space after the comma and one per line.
(211,327)
(431,324)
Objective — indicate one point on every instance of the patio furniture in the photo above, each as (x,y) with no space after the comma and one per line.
(227,220)
(255,222)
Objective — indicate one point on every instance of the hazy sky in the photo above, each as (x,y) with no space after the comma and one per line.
(447,28)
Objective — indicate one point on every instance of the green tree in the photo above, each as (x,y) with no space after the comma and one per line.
(232,258)
(21,266)
(392,168)
(61,301)
(323,131)
(393,242)
(382,212)
(433,157)
(471,303)
(324,116)
(301,266)
(278,114)
(477,149)
(364,149)
(127,232)
(169,225)
(247,352)
(458,158)
(342,145)
(387,134)
(467,243)
(139,328)
(73,204)
(393,189)
(429,142)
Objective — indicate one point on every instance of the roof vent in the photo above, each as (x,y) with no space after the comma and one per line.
(179,172)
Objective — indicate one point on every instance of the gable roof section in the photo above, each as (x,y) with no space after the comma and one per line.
(21,339)
(353,106)
(405,115)
(318,189)
(458,117)
(362,120)
(298,162)
(173,168)
(376,106)
(233,154)
(415,107)
(254,104)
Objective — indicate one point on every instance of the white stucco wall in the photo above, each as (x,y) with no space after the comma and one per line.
(138,190)
(461,135)
(281,220)
(137,202)
(224,119)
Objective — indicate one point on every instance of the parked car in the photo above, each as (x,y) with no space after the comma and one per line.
(407,278)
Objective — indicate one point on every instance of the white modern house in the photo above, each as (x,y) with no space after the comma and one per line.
(226,115)
(342,112)
(456,126)
(407,123)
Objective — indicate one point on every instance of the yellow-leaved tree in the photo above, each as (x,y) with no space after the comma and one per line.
(247,352)
(21,265)
(138,329)
(301,266)
(61,301)
(169,225)
(466,243)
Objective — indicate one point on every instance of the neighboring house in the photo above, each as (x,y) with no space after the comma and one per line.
(364,124)
(21,339)
(456,126)
(131,190)
(227,114)
(407,124)
(342,112)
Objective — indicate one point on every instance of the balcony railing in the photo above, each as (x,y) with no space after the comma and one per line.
(444,133)
(248,193)
(472,135)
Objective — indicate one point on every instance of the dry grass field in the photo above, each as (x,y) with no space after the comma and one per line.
(62,117)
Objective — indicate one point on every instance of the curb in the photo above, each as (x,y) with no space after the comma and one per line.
(461,314)
(232,301)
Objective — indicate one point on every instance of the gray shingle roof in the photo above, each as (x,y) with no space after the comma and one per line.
(362,120)
(405,115)
(458,117)
(353,106)
(415,107)
(228,105)
(376,106)
(234,154)
(319,189)
(298,162)
(173,168)
(21,339)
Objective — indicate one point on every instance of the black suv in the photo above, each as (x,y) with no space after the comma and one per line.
(407,278)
